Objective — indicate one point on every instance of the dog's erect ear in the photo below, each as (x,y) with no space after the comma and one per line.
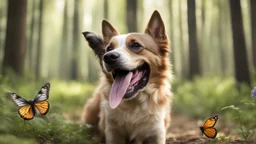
(108,31)
(156,27)
(96,43)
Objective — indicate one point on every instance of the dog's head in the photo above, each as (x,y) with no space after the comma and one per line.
(132,61)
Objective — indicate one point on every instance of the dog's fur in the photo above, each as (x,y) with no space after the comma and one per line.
(145,117)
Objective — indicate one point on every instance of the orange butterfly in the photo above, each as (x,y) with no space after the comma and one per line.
(208,127)
(39,105)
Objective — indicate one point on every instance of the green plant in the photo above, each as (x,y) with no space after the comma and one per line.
(245,117)
(204,97)
(66,99)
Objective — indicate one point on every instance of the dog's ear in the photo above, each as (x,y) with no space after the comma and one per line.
(155,27)
(98,47)
(96,43)
(156,30)
(108,31)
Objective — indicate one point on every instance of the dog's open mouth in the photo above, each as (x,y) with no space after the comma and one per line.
(127,83)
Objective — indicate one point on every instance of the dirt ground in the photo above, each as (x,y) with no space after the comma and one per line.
(186,131)
(183,130)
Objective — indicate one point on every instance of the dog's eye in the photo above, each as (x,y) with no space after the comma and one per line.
(109,48)
(135,45)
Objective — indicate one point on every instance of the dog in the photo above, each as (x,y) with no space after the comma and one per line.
(132,101)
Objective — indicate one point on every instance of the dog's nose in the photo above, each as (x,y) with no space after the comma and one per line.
(111,57)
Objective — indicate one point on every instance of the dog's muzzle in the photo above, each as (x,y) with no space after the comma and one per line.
(111,57)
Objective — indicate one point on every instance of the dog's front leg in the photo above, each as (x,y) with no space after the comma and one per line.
(159,138)
(114,136)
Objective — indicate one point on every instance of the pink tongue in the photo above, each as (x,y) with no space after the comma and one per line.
(118,89)
(136,78)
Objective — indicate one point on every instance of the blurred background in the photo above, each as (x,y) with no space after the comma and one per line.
(43,38)
(213,44)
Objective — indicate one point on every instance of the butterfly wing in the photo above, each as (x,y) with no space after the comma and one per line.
(207,129)
(25,108)
(19,101)
(43,94)
(42,107)
(26,112)
(40,103)
(210,132)
(210,122)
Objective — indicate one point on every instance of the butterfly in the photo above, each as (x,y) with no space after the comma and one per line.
(208,127)
(39,105)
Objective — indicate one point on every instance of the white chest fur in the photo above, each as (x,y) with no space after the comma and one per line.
(136,120)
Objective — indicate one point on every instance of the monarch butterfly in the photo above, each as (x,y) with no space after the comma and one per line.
(39,105)
(208,127)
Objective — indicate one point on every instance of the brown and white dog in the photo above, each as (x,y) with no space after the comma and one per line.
(132,101)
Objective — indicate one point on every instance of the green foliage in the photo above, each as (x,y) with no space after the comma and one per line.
(245,117)
(66,100)
(11,139)
(204,97)
(50,129)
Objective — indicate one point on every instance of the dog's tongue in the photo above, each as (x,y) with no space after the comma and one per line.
(119,88)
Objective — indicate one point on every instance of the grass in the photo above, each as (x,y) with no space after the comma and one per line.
(205,97)
(62,123)
(199,99)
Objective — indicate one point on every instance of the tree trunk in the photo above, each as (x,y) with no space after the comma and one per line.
(131,15)
(194,68)
(220,38)
(253,27)
(64,44)
(31,38)
(171,33)
(203,11)
(75,43)
(240,55)
(39,42)
(2,27)
(14,52)
(181,42)
(105,9)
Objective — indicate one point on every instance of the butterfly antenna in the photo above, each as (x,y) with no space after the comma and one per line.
(1,87)
(7,91)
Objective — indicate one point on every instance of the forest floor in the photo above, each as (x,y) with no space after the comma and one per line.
(67,106)
(184,130)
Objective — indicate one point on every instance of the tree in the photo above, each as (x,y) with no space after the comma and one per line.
(75,43)
(181,42)
(39,42)
(194,68)
(220,36)
(64,45)
(2,20)
(203,5)
(240,57)
(131,15)
(14,52)
(106,9)
(171,32)
(31,37)
(253,26)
